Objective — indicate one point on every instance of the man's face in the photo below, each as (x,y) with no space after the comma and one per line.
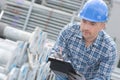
(90,30)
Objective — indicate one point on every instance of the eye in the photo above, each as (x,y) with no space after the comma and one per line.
(93,23)
(84,21)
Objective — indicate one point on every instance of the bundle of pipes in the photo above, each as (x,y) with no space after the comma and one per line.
(68,6)
(15,56)
(18,55)
(48,19)
(116,74)
(14,34)
(6,46)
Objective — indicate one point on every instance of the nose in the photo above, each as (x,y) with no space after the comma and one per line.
(86,26)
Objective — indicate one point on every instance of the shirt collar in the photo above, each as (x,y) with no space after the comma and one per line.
(78,33)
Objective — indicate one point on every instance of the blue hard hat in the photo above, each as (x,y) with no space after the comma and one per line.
(95,11)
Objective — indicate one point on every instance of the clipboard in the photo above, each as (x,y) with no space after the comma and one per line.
(61,66)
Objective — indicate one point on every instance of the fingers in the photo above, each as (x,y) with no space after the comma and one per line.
(57,56)
(72,76)
(78,74)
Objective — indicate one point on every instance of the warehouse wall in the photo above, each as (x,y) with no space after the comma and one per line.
(113,25)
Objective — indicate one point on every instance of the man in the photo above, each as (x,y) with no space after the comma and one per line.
(87,46)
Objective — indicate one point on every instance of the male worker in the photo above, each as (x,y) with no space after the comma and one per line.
(91,51)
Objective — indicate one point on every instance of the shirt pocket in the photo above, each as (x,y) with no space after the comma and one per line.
(74,54)
(91,62)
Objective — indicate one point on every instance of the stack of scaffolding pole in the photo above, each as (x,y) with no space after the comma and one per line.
(48,19)
(24,59)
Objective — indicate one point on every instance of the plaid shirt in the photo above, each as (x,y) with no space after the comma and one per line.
(94,62)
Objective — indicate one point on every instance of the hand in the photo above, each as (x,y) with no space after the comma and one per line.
(77,76)
(57,56)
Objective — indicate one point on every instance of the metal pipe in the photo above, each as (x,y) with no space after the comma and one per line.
(28,15)
(13,33)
